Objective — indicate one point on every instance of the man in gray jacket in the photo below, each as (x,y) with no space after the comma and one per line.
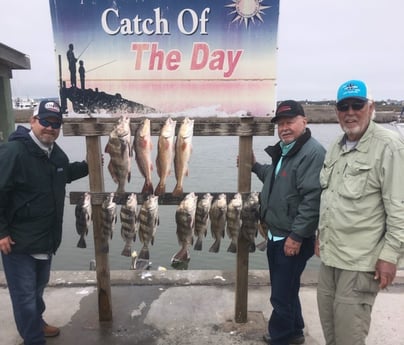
(289,202)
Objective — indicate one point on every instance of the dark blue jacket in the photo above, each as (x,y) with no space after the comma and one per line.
(290,201)
(32,193)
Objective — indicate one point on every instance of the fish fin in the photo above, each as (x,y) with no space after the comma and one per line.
(142,264)
(232,247)
(129,176)
(215,247)
(147,188)
(251,248)
(127,250)
(178,191)
(181,256)
(144,254)
(81,243)
(160,189)
(262,246)
(198,244)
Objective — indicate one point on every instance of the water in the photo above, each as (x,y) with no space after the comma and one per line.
(212,169)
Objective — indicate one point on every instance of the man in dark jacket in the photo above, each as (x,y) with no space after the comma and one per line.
(289,203)
(34,173)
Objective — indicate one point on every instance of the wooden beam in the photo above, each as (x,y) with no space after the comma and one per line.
(244,186)
(96,178)
(211,126)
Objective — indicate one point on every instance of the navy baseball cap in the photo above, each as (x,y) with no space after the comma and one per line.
(288,109)
(48,108)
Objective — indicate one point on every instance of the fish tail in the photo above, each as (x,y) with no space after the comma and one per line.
(262,245)
(178,190)
(160,189)
(232,247)
(127,250)
(181,256)
(198,244)
(144,254)
(252,247)
(121,188)
(215,246)
(147,188)
(81,243)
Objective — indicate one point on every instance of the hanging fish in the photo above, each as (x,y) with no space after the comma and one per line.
(142,145)
(118,147)
(217,216)
(165,154)
(148,221)
(233,221)
(250,218)
(183,150)
(108,219)
(201,219)
(185,219)
(129,223)
(83,218)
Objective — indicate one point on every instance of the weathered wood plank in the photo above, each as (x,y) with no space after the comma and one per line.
(232,126)
(120,198)
(96,180)
(244,186)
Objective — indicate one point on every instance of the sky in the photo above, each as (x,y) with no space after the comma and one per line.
(321,44)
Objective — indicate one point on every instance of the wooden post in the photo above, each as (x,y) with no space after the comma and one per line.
(96,177)
(244,185)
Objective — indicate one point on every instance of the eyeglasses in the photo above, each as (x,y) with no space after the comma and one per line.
(344,106)
(46,123)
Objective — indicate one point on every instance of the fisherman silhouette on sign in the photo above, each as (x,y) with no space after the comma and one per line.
(72,64)
(82,72)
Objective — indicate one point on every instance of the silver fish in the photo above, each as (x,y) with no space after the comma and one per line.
(165,154)
(129,223)
(148,221)
(142,145)
(185,219)
(83,218)
(108,219)
(250,218)
(233,218)
(201,219)
(217,216)
(118,147)
(183,150)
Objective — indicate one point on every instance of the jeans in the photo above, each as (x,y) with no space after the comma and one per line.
(26,280)
(286,320)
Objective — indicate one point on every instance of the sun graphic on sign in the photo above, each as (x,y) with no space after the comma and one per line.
(247,10)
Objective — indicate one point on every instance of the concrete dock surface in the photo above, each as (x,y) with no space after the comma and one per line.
(183,308)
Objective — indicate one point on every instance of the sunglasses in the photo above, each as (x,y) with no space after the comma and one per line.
(45,123)
(343,106)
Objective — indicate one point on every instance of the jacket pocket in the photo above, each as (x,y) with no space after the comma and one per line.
(325,173)
(355,179)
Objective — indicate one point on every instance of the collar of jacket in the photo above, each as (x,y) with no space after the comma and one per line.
(276,152)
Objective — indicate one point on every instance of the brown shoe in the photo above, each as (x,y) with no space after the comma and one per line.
(50,331)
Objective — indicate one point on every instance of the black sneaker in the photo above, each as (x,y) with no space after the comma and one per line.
(295,340)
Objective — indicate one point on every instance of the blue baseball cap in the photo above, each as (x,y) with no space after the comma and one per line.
(352,89)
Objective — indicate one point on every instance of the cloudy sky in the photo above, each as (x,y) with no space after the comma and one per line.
(322,43)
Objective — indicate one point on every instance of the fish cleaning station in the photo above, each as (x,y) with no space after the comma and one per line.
(94,128)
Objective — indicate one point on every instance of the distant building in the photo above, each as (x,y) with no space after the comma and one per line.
(9,59)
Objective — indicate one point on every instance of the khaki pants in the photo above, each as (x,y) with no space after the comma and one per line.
(345,300)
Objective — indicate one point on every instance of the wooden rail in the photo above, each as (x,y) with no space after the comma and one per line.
(92,128)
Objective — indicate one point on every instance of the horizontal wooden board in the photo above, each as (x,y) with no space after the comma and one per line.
(206,126)
(166,199)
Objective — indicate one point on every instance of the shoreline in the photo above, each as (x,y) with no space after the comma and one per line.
(316,113)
